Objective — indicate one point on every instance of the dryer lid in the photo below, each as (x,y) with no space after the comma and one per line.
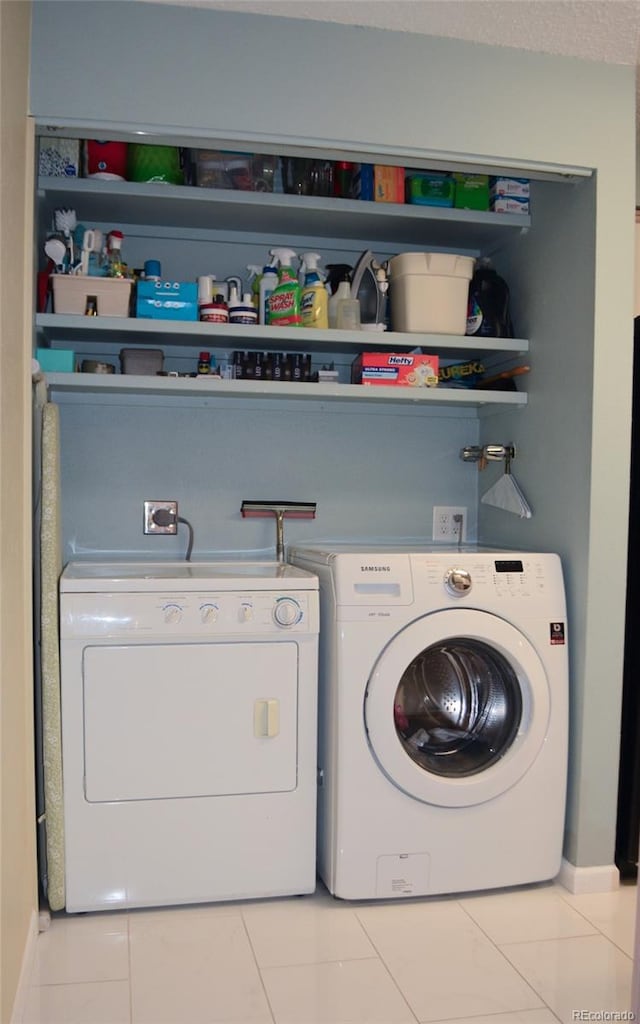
(133,577)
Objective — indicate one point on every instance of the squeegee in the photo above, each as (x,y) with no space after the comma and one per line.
(279,509)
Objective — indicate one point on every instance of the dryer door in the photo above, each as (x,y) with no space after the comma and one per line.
(457,707)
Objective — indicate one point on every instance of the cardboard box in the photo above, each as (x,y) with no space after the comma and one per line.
(509,187)
(509,204)
(388,184)
(167,300)
(399,369)
(362,187)
(472,191)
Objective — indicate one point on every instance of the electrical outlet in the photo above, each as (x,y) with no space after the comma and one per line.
(446,526)
(168,517)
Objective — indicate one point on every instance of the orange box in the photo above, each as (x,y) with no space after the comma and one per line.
(403,369)
(388,184)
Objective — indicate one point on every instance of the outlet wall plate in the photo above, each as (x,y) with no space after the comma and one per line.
(152,506)
(445,527)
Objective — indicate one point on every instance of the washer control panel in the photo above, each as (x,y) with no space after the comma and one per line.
(502,577)
(190,614)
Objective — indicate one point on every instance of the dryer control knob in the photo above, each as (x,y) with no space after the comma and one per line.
(457,582)
(245,612)
(172,613)
(287,612)
(209,613)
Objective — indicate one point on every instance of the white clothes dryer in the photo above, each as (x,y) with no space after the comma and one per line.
(189,696)
(443,718)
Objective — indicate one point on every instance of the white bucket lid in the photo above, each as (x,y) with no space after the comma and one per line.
(435,264)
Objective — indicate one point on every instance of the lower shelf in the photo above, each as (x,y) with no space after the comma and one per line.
(117,385)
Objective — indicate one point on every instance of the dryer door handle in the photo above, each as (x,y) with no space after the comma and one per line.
(266,718)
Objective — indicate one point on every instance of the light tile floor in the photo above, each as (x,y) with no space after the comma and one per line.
(531,955)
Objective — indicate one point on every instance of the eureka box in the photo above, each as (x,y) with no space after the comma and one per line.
(406,369)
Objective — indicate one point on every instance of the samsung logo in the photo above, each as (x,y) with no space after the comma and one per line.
(375,568)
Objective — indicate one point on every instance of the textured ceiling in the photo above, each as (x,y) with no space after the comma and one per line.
(604,30)
(601,30)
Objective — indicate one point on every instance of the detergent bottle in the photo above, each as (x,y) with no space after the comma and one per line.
(314,301)
(284,301)
(488,313)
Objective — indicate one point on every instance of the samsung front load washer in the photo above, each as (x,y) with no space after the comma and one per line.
(443,695)
(189,696)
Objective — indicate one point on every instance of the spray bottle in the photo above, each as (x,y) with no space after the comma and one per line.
(255,273)
(268,281)
(314,301)
(284,301)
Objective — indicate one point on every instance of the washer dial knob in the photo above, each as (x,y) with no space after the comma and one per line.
(287,611)
(457,582)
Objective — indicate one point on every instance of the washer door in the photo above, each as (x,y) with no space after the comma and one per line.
(457,708)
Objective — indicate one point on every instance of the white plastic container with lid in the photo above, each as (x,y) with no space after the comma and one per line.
(429,292)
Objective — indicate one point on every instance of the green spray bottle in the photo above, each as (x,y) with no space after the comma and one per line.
(284,301)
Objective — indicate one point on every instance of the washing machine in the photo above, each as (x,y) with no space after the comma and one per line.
(443,718)
(189,699)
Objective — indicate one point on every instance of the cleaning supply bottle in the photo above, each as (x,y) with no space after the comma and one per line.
(343,294)
(242,310)
(115,266)
(488,312)
(284,301)
(255,273)
(314,301)
(268,281)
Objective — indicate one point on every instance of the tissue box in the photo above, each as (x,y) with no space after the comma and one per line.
(509,187)
(59,158)
(509,204)
(404,369)
(167,300)
(388,184)
(56,360)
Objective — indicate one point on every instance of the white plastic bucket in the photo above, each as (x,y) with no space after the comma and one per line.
(429,292)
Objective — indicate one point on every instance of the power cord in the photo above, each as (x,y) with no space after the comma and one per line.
(163,517)
(189,527)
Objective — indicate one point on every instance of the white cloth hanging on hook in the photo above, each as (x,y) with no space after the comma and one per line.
(506,494)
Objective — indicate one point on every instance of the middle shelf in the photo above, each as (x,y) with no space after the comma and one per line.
(57,327)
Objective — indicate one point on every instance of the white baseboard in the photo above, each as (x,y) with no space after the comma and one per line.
(602,878)
(28,957)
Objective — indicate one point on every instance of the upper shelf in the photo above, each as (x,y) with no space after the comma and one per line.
(60,327)
(181,206)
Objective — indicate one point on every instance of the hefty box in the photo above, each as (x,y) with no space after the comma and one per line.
(403,369)
(167,300)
